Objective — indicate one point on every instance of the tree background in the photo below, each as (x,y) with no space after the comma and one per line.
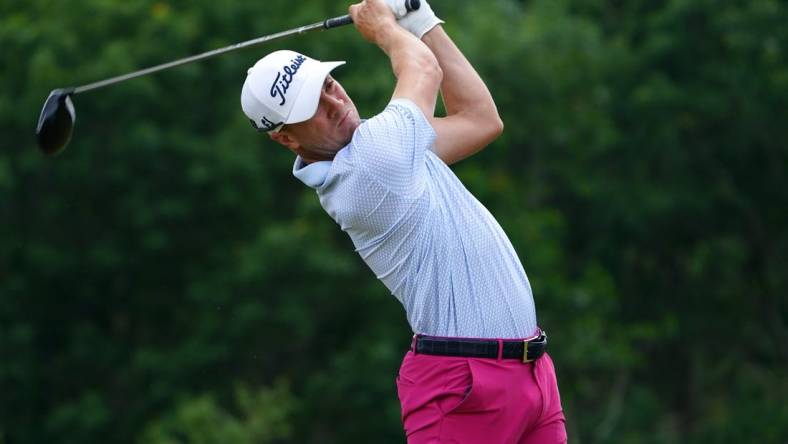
(167,280)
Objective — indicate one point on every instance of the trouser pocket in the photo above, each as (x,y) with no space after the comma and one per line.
(429,387)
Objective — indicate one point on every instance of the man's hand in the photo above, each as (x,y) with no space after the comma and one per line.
(373,20)
(417,22)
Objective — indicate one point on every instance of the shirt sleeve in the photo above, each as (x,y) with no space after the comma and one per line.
(391,146)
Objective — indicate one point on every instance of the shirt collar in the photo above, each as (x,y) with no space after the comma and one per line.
(313,174)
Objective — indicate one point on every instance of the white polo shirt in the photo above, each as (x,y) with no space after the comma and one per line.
(435,247)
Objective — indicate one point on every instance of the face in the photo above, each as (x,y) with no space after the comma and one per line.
(328,131)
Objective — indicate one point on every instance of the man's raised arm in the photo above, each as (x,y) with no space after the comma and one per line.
(414,64)
(472,120)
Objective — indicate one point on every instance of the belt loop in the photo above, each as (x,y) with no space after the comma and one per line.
(413,343)
(500,349)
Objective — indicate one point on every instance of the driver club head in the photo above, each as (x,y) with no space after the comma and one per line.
(56,122)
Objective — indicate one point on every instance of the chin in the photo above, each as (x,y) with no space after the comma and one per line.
(352,123)
(348,128)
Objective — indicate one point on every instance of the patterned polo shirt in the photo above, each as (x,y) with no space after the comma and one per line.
(425,236)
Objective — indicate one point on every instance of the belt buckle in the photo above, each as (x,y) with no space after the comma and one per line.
(525,351)
(542,334)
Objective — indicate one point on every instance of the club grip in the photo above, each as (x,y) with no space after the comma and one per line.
(410,6)
(337,21)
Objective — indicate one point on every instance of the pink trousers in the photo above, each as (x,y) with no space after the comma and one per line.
(478,400)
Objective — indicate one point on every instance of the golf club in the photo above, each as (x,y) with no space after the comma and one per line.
(56,122)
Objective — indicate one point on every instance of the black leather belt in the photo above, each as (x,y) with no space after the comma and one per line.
(526,350)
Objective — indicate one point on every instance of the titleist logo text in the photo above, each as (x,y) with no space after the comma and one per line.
(282,81)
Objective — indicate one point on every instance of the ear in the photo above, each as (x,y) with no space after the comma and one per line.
(286,140)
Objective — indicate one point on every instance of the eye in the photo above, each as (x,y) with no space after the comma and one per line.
(328,84)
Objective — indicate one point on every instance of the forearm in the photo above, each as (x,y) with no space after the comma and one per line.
(411,59)
(463,91)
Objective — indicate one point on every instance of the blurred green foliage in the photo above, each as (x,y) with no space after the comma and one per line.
(167,280)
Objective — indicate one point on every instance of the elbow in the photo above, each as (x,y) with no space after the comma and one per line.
(425,63)
(494,128)
(497,126)
(439,74)
(432,69)
(421,69)
(490,122)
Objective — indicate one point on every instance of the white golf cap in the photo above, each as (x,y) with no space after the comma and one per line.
(283,87)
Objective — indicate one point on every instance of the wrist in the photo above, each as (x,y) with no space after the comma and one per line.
(421,21)
(436,32)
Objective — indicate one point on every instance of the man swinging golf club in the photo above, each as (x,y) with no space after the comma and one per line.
(477,371)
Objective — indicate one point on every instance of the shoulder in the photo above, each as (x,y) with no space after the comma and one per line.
(398,114)
(401,126)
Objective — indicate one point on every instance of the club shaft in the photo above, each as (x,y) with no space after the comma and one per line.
(267,38)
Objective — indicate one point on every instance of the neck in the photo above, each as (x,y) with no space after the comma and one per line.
(315,154)
(316,157)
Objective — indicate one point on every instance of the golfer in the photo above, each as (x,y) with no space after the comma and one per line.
(477,371)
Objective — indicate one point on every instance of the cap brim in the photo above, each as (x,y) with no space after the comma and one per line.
(308,98)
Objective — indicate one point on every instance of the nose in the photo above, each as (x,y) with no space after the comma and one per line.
(332,104)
